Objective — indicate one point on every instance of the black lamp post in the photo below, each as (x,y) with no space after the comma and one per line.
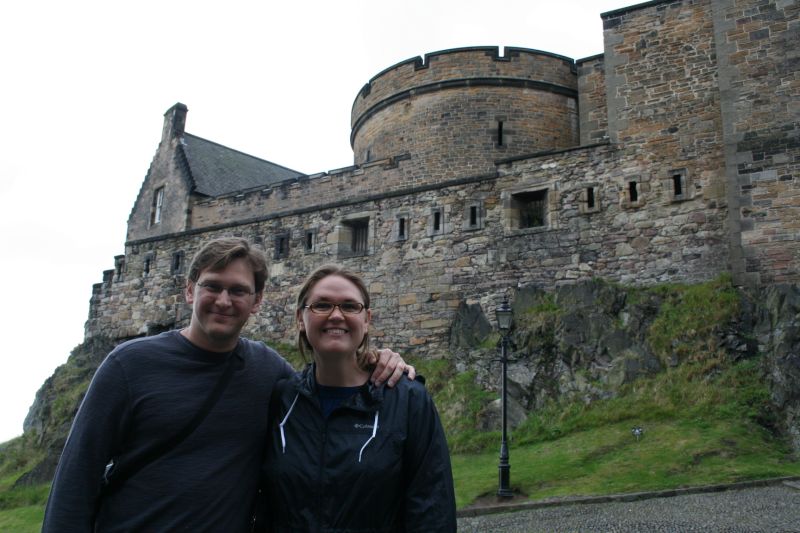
(504,323)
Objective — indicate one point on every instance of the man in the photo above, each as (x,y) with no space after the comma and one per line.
(148,390)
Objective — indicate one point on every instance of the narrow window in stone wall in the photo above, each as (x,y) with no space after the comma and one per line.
(633,192)
(310,240)
(499,133)
(680,187)
(176,266)
(157,207)
(589,200)
(282,246)
(473,218)
(436,221)
(531,209)
(677,185)
(401,233)
(147,264)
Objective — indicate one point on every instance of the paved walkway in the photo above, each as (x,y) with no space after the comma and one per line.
(753,507)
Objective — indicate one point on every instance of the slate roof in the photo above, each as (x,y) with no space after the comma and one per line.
(217,170)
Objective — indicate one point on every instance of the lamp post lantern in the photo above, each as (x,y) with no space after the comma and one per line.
(504,317)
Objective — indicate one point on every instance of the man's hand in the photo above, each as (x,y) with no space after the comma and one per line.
(389,364)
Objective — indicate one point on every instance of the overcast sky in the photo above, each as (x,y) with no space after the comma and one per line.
(85,84)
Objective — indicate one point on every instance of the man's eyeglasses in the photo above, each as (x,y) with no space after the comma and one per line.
(326,308)
(233,292)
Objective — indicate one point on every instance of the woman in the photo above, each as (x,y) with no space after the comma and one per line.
(345,455)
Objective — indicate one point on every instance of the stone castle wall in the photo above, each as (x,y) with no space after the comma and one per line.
(675,174)
(418,282)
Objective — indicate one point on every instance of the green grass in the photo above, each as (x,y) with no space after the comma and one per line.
(610,460)
(27,519)
(689,316)
(23,497)
(699,429)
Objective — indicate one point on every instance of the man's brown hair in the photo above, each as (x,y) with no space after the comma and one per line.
(219,253)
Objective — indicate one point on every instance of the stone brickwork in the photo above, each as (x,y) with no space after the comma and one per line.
(592,100)
(671,157)
(759,63)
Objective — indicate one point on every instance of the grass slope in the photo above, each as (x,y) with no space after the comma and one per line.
(697,431)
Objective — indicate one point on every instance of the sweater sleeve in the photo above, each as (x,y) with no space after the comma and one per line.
(429,501)
(96,432)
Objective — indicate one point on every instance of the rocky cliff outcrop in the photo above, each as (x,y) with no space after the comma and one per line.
(50,417)
(585,341)
(776,328)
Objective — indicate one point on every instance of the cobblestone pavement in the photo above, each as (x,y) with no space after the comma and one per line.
(770,509)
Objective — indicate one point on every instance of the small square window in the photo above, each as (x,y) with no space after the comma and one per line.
(354,237)
(529,209)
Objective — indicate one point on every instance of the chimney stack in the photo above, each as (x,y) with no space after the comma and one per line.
(174,122)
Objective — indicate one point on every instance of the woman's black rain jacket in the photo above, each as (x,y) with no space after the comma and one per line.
(378,463)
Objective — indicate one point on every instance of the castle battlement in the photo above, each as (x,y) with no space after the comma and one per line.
(461,67)
(472,63)
(493,105)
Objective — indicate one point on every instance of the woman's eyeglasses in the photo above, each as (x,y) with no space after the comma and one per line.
(326,308)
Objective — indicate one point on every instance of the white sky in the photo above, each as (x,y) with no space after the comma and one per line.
(84,85)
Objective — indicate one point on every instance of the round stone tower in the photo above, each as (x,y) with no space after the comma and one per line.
(458,111)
